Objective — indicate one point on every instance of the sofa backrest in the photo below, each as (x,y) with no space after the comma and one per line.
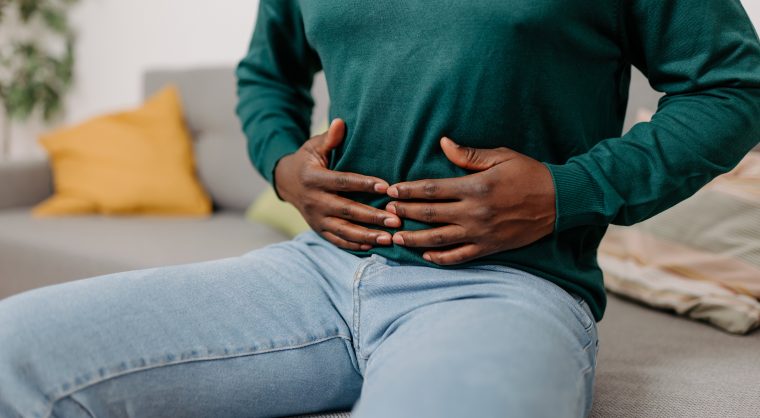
(209,98)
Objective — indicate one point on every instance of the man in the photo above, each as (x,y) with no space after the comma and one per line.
(457,202)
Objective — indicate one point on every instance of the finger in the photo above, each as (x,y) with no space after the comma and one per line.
(340,207)
(476,159)
(349,231)
(333,137)
(434,237)
(430,189)
(462,254)
(338,181)
(340,242)
(430,212)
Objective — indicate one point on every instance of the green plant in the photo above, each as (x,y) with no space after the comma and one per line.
(35,71)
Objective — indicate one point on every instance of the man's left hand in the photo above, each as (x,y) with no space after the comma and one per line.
(508,203)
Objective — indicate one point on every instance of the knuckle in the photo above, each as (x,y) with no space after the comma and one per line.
(484,213)
(304,177)
(309,205)
(430,189)
(410,240)
(346,212)
(438,238)
(342,182)
(429,213)
(309,147)
(482,189)
(470,154)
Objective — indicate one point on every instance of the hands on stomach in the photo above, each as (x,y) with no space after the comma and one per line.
(507,203)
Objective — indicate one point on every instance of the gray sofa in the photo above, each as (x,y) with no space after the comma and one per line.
(651,364)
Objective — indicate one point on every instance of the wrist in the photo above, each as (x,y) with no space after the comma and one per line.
(277,180)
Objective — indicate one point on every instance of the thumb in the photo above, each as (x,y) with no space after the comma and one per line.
(333,137)
(476,159)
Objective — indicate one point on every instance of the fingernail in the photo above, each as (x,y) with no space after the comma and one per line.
(449,140)
(365,247)
(384,240)
(393,191)
(392,222)
(380,188)
(427,257)
(398,239)
(390,207)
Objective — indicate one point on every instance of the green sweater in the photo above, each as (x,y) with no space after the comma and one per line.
(547,78)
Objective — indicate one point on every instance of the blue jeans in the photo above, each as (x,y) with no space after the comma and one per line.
(297,327)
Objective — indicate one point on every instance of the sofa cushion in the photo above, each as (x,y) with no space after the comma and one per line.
(138,161)
(283,216)
(37,252)
(226,172)
(209,98)
(655,364)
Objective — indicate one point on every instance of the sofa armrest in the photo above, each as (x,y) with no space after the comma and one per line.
(24,182)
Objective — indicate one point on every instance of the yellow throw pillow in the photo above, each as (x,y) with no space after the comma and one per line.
(283,216)
(128,163)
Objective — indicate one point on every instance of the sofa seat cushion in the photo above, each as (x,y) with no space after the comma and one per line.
(36,252)
(656,364)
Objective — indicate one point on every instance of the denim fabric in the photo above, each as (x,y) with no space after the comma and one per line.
(293,328)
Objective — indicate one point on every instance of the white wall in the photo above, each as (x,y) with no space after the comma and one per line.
(753,9)
(120,39)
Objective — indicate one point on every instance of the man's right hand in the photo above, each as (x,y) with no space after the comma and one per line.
(303,179)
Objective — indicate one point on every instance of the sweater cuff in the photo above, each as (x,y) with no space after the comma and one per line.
(579,198)
(275,151)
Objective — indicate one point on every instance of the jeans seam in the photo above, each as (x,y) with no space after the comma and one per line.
(357,306)
(56,398)
(81,405)
(592,365)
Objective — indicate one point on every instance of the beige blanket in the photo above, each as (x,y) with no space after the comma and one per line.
(700,258)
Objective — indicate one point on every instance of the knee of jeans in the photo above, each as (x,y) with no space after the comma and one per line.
(13,325)
(24,325)
(21,376)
